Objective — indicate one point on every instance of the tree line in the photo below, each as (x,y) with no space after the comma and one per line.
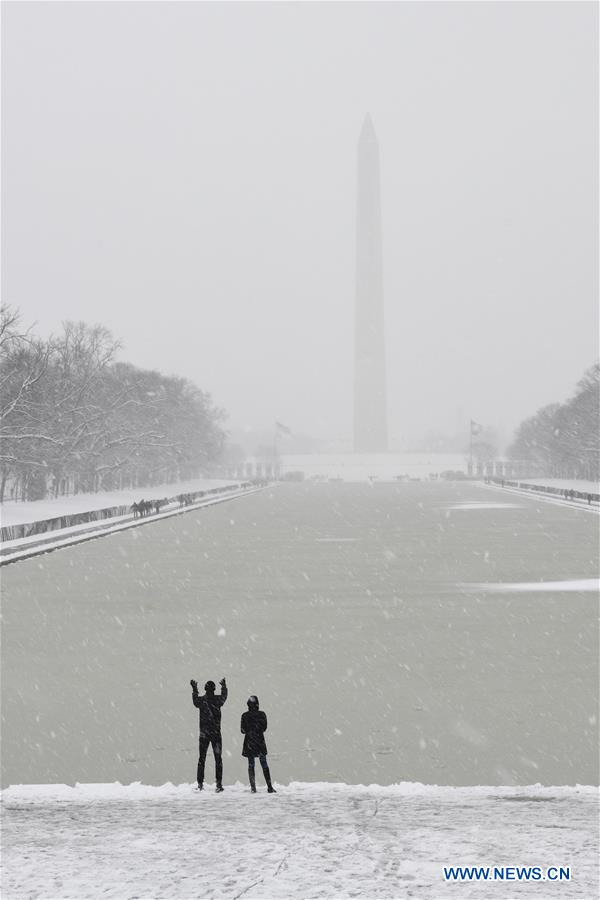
(562,440)
(74,419)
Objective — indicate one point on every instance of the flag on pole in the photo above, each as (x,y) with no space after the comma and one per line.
(283,429)
(476,428)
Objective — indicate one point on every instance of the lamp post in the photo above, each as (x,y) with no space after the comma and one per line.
(470,468)
(275,436)
(474,429)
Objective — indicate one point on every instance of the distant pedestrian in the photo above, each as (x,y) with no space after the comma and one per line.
(589,499)
(253,727)
(210,705)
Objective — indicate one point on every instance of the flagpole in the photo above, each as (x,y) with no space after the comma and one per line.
(471,447)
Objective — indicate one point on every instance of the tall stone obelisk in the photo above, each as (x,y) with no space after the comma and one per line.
(370,410)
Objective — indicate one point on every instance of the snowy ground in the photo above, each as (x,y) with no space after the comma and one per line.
(308,840)
(555,498)
(13,513)
(575,484)
(23,548)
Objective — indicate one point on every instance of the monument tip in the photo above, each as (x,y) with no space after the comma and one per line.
(367,132)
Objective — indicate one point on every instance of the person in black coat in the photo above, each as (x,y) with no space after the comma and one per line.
(253,727)
(210,728)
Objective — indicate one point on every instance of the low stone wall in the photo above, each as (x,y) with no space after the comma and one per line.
(565,493)
(16,532)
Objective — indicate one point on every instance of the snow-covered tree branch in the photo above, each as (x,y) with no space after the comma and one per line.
(71,415)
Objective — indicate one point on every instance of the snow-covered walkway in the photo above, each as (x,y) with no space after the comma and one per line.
(13,513)
(575,484)
(529,489)
(34,545)
(308,840)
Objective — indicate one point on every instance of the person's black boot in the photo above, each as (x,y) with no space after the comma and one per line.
(270,788)
(219,789)
(199,786)
(252,782)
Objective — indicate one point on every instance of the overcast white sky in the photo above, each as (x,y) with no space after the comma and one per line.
(185,174)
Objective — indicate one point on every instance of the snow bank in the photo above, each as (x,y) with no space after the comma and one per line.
(44,542)
(569,484)
(35,511)
(42,793)
(591,585)
(308,840)
(551,493)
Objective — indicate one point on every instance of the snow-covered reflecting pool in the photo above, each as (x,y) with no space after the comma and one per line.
(346,608)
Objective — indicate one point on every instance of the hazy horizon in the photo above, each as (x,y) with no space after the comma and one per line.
(185,174)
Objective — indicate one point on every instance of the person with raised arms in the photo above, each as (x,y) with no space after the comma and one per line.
(210,705)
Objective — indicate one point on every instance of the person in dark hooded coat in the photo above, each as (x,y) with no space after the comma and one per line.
(253,727)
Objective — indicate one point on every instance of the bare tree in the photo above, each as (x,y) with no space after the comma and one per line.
(562,439)
(24,362)
(74,416)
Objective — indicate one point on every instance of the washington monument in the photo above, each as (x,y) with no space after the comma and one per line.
(370,413)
